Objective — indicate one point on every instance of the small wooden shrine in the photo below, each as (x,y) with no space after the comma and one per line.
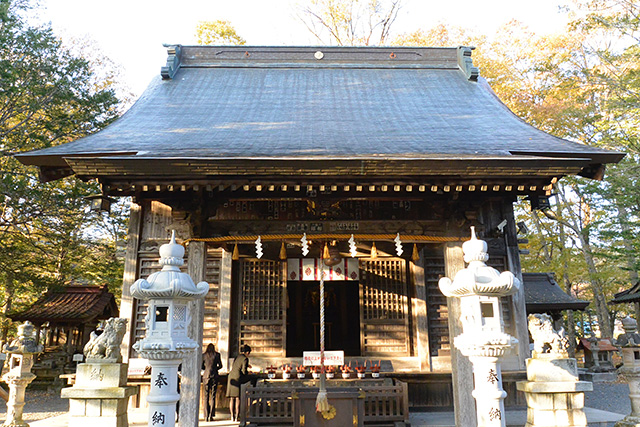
(245,151)
(542,294)
(629,296)
(69,314)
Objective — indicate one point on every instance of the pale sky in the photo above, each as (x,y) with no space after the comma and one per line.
(131,32)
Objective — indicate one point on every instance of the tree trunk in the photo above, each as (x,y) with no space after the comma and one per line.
(9,290)
(571,329)
(599,299)
(630,259)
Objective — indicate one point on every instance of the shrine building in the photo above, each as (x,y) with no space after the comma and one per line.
(401,148)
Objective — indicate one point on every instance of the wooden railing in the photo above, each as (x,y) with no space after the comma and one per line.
(385,404)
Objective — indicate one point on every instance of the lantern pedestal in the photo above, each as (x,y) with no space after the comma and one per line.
(555,396)
(100,397)
(485,356)
(163,394)
(15,404)
(632,376)
(21,353)
(629,344)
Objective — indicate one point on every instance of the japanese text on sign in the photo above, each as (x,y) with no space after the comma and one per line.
(312,358)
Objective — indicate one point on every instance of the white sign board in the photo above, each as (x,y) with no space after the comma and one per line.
(312,358)
(137,366)
(78,357)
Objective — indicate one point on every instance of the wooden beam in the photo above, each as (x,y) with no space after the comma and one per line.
(461,368)
(224,300)
(419,309)
(518,308)
(192,363)
(130,275)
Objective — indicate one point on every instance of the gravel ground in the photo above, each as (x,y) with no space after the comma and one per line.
(609,396)
(606,396)
(39,404)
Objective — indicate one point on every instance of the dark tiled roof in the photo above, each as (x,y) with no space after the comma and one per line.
(542,294)
(629,295)
(406,104)
(72,304)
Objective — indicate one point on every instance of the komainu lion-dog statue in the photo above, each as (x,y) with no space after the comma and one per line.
(105,347)
(545,338)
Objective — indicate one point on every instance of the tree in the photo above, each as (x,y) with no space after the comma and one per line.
(48,96)
(350,22)
(217,33)
(556,83)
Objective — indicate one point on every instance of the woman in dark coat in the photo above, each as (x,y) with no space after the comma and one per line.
(211,364)
(238,375)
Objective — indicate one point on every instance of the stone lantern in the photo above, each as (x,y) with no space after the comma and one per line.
(483,339)
(629,343)
(21,353)
(166,343)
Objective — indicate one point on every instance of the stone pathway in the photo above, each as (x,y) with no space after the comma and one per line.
(40,405)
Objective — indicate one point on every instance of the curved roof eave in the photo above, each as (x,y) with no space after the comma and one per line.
(225,103)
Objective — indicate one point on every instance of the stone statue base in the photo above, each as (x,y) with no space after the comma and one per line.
(628,421)
(555,396)
(100,397)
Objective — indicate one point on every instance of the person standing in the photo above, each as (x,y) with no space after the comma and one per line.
(211,364)
(238,375)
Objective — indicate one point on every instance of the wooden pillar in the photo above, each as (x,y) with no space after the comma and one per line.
(69,332)
(419,308)
(518,307)
(38,329)
(224,301)
(130,276)
(49,338)
(192,364)
(461,368)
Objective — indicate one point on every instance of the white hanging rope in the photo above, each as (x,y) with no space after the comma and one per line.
(322,404)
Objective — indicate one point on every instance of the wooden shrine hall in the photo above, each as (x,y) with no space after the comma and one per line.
(403,148)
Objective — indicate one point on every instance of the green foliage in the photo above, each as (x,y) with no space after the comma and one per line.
(217,33)
(582,85)
(48,96)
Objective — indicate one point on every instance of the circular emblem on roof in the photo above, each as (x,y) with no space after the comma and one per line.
(318,55)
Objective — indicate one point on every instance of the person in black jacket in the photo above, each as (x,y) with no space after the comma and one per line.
(211,364)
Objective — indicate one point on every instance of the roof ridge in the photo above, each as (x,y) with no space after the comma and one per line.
(179,56)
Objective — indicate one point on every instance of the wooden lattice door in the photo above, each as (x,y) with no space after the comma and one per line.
(384,307)
(262,293)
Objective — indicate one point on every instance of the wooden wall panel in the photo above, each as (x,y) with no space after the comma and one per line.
(212,299)
(262,317)
(438,313)
(384,307)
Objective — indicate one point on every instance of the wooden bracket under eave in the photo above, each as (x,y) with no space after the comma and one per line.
(173,61)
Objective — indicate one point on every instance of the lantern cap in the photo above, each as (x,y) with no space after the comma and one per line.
(172,254)
(475,249)
(478,278)
(169,282)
